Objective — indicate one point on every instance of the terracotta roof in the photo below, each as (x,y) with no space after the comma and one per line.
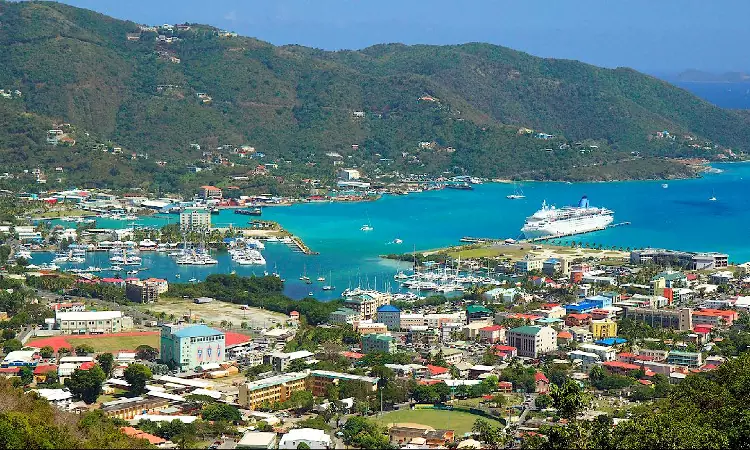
(437,370)
(138,434)
(565,335)
(539,376)
(41,370)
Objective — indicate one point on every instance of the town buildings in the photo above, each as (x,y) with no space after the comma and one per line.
(382,343)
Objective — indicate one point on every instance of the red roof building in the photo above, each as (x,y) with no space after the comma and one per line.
(619,367)
(541,383)
(437,370)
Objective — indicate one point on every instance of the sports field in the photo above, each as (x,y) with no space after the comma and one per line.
(118,341)
(458,421)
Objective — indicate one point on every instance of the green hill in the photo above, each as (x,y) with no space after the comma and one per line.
(295,104)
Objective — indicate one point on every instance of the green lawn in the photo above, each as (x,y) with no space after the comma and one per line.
(116,343)
(459,421)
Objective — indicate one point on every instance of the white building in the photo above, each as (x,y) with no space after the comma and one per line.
(348,174)
(532,341)
(92,322)
(310,436)
(604,353)
(195,219)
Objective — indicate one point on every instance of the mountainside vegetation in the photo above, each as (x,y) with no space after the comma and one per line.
(144,103)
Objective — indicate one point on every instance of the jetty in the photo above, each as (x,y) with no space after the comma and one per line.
(302,246)
(481,240)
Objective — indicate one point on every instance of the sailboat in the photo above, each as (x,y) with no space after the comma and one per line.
(517,193)
(328,287)
(713,196)
(367,226)
(304,276)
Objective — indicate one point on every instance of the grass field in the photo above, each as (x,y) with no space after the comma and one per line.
(116,343)
(459,421)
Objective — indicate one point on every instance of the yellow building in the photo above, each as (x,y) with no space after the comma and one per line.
(271,390)
(604,328)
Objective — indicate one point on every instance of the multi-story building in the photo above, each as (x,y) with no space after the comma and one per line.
(477,313)
(679,319)
(188,347)
(271,390)
(528,265)
(492,334)
(343,315)
(369,327)
(687,359)
(92,322)
(367,304)
(141,291)
(532,341)
(68,307)
(390,316)
(604,353)
(603,328)
(411,320)
(552,265)
(715,317)
(587,359)
(688,260)
(348,174)
(319,380)
(210,192)
(280,361)
(195,219)
(383,343)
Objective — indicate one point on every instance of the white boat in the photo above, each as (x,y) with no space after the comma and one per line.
(713,197)
(398,241)
(366,227)
(566,221)
(48,266)
(401,276)
(321,279)
(132,272)
(193,280)
(517,193)
(665,185)
(76,259)
(196,259)
(61,257)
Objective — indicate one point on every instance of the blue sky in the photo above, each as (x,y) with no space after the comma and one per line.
(657,36)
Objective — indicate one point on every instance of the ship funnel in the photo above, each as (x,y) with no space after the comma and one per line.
(584,202)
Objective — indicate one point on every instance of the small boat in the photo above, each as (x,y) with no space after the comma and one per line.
(321,278)
(366,227)
(309,294)
(517,193)
(665,185)
(132,272)
(193,280)
(177,275)
(327,288)
(713,197)
(398,241)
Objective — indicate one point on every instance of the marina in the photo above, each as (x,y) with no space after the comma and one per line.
(437,219)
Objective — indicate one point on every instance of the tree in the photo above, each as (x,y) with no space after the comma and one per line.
(26,374)
(300,401)
(84,349)
(543,401)
(303,446)
(137,375)
(107,362)
(146,352)
(220,411)
(12,345)
(491,437)
(8,334)
(86,384)
(568,399)
(46,352)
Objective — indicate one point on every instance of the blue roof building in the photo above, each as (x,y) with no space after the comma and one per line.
(600,300)
(390,316)
(611,341)
(187,347)
(581,308)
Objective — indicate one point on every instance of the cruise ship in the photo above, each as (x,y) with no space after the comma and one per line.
(566,221)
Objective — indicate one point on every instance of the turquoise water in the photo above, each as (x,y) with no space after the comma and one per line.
(679,217)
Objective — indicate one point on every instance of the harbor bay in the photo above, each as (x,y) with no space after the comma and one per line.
(676,214)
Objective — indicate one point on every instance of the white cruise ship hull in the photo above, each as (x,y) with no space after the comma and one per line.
(567,227)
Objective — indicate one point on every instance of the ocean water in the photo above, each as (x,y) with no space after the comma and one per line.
(678,217)
(725,95)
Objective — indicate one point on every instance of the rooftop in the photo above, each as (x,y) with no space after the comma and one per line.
(528,329)
(196,331)
(388,308)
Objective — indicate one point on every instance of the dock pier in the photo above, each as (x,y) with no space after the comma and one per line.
(302,246)
(478,240)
